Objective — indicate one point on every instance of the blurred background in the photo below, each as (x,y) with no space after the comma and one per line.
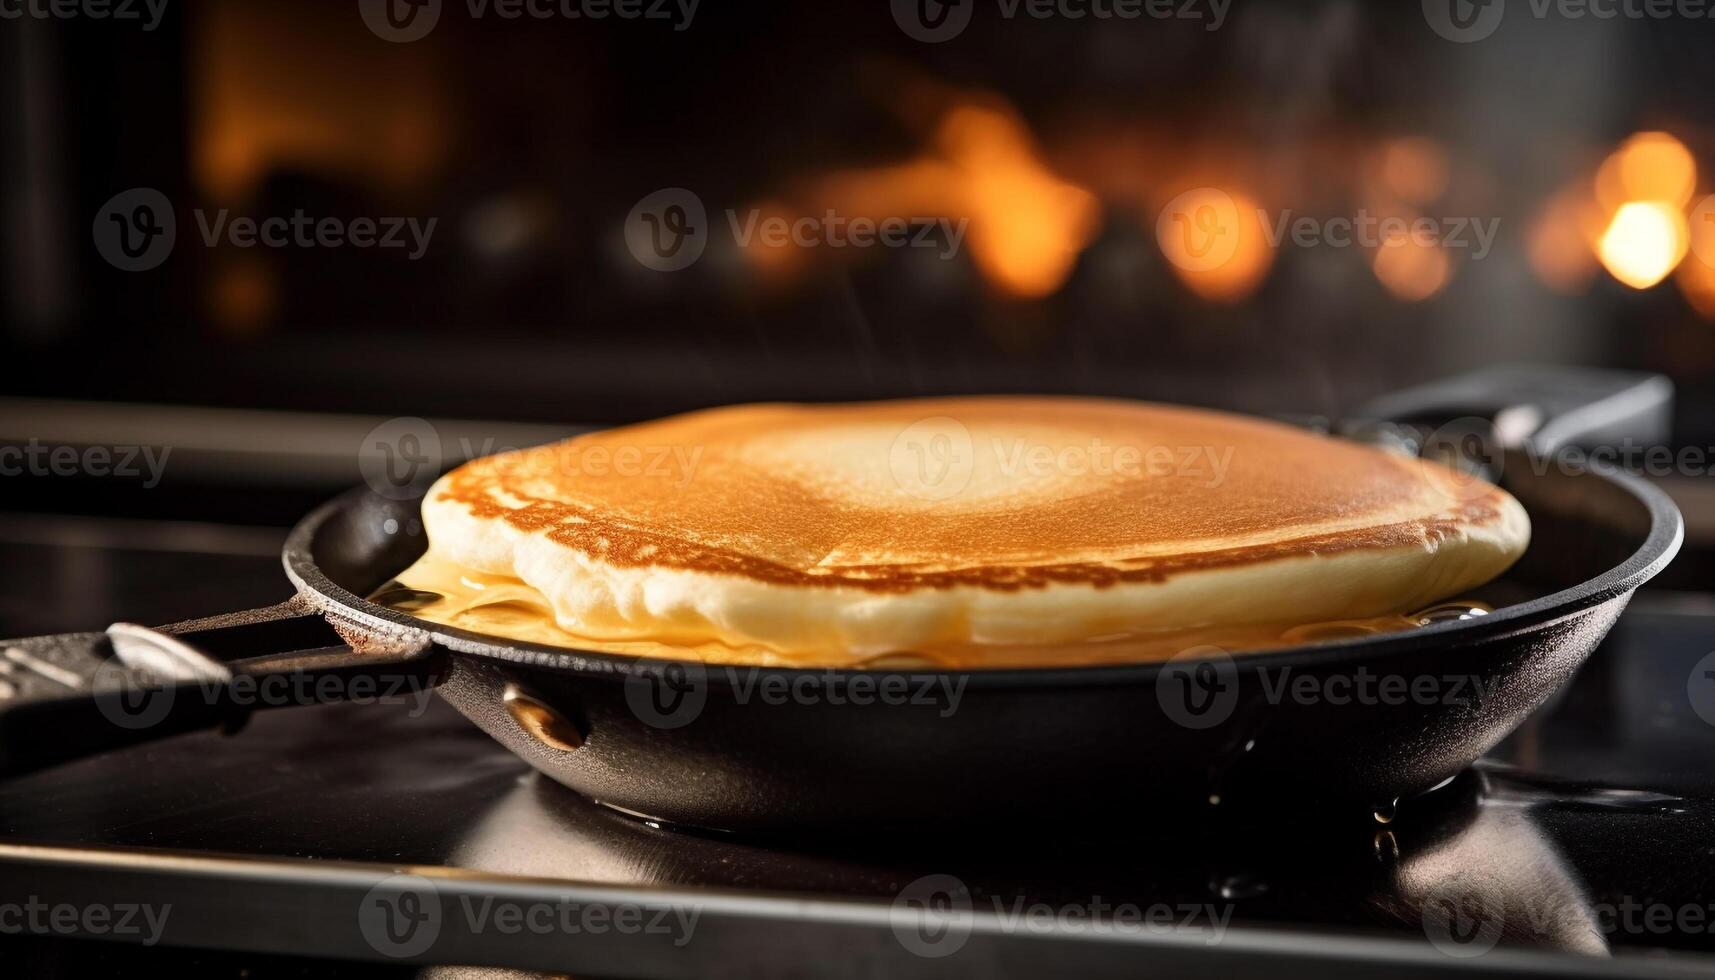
(1058,139)
(1055,167)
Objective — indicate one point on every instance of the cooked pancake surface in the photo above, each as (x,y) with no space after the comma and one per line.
(832,534)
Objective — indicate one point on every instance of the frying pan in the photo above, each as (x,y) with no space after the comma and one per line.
(782,750)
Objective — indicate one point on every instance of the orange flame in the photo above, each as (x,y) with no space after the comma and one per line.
(1026,225)
(1643,242)
(1645,185)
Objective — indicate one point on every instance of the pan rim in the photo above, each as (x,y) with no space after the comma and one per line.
(1660,545)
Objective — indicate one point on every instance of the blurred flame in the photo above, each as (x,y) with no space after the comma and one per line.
(1410,269)
(1650,166)
(371,111)
(1643,242)
(1215,241)
(1026,225)
(1643,188)
(1414,169)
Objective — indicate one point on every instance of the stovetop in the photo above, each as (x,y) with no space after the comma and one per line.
(1590,835)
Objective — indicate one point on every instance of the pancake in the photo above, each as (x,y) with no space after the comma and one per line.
(965,531)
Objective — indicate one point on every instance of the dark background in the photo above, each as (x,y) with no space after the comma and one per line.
(530,141)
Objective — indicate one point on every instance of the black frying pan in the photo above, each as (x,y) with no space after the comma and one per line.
(712,748)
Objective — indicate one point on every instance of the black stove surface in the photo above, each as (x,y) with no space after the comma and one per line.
(1589,834)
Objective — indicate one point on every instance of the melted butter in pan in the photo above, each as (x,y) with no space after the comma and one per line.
(504,607)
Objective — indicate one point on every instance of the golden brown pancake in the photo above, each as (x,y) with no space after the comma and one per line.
(964,530)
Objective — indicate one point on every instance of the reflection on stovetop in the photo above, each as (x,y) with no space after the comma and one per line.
(1580,833)
(1559,862)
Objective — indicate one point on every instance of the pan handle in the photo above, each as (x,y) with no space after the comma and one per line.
(1540,407)
(72,695)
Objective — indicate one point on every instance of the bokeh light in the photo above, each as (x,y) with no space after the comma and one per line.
(1643,243)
